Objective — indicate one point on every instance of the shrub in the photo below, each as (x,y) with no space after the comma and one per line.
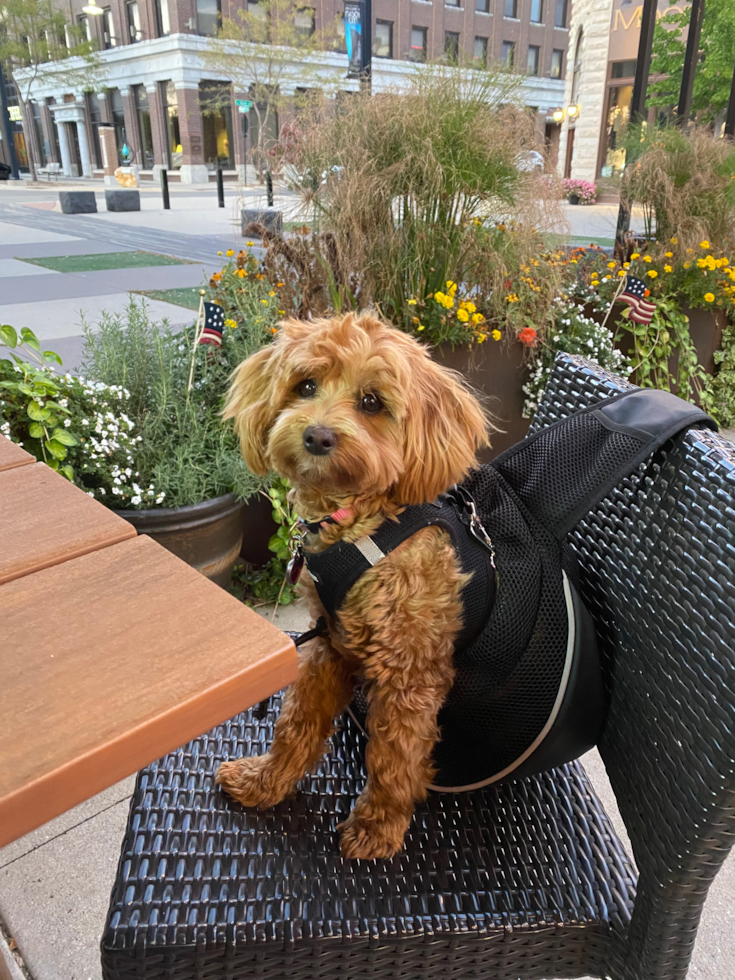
(583,189)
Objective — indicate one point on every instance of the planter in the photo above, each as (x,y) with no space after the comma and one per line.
(206,536)
(497,372)
(258,527)
(573,198)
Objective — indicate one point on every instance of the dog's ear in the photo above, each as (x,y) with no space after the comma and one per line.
(250,403)
(444,427)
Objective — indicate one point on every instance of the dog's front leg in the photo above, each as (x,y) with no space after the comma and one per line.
(321,691)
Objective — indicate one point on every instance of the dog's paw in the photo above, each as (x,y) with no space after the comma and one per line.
(365,837)
(253,782)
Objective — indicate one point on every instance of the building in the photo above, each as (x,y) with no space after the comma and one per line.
(154,78)
(604,37)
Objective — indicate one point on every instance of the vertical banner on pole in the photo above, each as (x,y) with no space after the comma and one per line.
(354,10)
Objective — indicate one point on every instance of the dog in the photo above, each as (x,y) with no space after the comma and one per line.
(362,422)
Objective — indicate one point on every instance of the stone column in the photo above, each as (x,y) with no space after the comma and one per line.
(84,157)
(131,125)
(109,155)
(193,170)
(158,130)
(47,123)
(105,109)
(64,148)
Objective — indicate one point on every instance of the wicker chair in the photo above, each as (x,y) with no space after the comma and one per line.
(525,879)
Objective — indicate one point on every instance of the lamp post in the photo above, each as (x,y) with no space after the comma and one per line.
(14,174)
(690,62)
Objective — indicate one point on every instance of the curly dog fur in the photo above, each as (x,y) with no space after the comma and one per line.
(398,623)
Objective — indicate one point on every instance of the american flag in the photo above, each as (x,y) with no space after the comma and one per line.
(214,323)
(635,295)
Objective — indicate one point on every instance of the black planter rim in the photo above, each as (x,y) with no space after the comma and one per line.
(166,519)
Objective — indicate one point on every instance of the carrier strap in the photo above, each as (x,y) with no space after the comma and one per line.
(561,472)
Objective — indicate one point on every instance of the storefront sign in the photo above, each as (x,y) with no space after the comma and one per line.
(625,29)
(14,113)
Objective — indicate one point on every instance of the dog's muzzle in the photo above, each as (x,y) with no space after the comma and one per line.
(319,440)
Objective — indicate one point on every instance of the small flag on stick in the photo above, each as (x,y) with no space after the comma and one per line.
(214,324)
(635,295)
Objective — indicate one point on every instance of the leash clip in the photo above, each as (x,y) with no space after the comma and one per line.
(477,529)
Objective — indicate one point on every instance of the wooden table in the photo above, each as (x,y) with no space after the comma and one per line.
(112,650)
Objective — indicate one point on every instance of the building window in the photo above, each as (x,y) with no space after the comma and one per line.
(623,69)
(43,146)
(482,6)
(303,22)
(479,52)
(511,8)
(537,11)
(118,120)
(451,46)
(163,21)
(215,101)
(418,44)
(143,113)
(451,3)
(340,43)
(175,151)
(383,39)
(209,15)
(108,29)
(557,58)
(54,129)
(132,15)
(560,18)
(509,53)
(532,60)
(95,118)
(84,27)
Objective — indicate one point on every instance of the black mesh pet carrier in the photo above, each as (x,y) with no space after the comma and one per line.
(528,692)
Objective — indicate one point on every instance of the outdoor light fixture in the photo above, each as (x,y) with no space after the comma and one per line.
(558,115)
(572,110)
(92,8)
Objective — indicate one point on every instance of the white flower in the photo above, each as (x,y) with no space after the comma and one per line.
(67,423)
(135,500)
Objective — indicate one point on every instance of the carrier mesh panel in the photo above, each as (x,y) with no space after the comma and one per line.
(563,466)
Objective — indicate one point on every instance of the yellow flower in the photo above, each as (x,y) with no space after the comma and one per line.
(281,312)
(621,272)
(470,307)
(690,251)
(709,297)
(231,324)
(420,327)
(250,244)
(646,258)
(451,285)
(412,302)
(725,262)
(667,268)
(674,240)
(511,298)
(611,265)
(668,254)
(687,265)
(219,253)
(626,265)
(496,335)
(477,318)
(463,315)
(272,292)
(274,329)
(439,297)
(241,273)
(481,337)
(652,274)
(229,252)
(264,301)
(704,244)
(636,255)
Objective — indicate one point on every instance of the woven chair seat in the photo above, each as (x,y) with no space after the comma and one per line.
(209,889)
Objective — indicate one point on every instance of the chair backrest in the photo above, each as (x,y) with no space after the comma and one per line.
(657,562)
(53,168)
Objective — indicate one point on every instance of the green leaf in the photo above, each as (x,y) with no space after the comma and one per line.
(275,543)
(37,412)
(52,421)
(30,339)
(8,335)
(57,450)
(26,389)
(35,429)
(64,437)
(53,464)
(49,355)
(68,472)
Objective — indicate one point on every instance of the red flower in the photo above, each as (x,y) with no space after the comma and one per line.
(528,336)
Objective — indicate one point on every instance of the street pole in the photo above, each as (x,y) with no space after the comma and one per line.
(366,51)
(220,188)
(730,118)
(684,106)
(14,173)
(637,107)
(164,190)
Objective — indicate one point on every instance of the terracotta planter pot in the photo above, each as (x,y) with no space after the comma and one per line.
(206,536)
(258,527)
(497,371)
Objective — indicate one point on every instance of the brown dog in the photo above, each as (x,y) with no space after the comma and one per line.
(360,419)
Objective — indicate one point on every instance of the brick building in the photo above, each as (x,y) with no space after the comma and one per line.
(154,78)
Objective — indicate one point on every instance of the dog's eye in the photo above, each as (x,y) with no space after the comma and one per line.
(307,388)
(370,403)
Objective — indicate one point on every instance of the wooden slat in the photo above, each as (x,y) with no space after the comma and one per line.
(45,519)
(111,660)
(12,455)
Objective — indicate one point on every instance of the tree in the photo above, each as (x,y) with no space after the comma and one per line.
(713,76)
(34,39)
(265,46)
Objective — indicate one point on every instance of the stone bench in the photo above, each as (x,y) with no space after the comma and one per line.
(122,199)
(78,202)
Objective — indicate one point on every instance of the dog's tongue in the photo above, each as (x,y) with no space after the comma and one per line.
(341,514)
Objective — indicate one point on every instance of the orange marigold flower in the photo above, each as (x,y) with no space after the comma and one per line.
(528,336)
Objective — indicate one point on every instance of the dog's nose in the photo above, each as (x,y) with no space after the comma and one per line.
(319,440)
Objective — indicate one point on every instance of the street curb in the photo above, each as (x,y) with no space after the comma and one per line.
(9,968)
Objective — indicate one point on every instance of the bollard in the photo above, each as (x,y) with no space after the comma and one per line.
(269,187)
(220,188)
(164,190)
